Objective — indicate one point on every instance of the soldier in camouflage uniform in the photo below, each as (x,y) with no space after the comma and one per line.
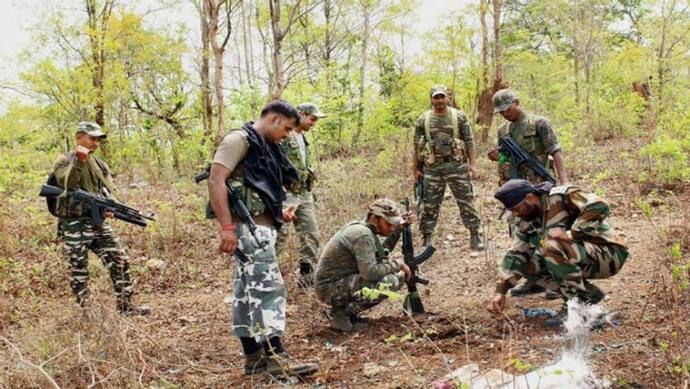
(355,258)
(300,197)
(251,160)
(82,170)
(445,145)
(561,243)
(536,136)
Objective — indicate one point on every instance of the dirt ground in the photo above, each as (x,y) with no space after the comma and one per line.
(187,340)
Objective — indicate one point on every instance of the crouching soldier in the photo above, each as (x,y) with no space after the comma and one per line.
(355,258)
(562,241)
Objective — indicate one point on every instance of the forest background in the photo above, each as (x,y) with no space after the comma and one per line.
(607,73)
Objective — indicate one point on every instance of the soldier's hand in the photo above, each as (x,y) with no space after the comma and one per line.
(81,152)
(560,234)
(493,155)
(408,273)
(408,217)
(108,214)
(228,242)
(497,304)
(289,214)
(417,174)
(472,170)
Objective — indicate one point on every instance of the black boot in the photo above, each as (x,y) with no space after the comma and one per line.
(426,240)
(526,287)
(126,308)
(476,242)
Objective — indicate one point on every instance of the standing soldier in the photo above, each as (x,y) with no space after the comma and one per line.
(355,258)
(444,146)
(251,160)
(562,241)
(536,136)
(300,197)
(81,169)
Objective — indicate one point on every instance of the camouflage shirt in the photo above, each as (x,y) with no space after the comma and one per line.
(356,249)
(91,175)
(536,136)
(302,163)
(582,214)
(441,131)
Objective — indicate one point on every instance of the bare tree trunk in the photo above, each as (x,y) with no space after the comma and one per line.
(98,22)
(218,49)
(207,107)
(366,15)
(484,103)
(246,41)
(576,51)
(498,50)
(277,51)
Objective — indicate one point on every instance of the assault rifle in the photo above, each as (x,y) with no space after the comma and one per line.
(413,302)
(238,208)
(98,205)
(519,157)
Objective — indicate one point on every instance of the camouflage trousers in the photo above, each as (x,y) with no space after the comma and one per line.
(346,292)
(258,308)
(306,227)
(566,267)
(79,236)
(456,176)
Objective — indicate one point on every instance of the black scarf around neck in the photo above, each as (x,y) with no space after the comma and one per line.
(267,171)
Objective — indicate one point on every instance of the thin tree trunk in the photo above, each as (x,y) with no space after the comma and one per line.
(207,107)
(366,15)
(484,104)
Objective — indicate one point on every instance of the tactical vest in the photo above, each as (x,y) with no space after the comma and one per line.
(60,206)
(304,171)
(442,147)
(252,200)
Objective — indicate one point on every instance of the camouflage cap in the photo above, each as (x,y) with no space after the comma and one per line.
(91,129)
(310,109)
(387,209)
(439,90)
(503,99)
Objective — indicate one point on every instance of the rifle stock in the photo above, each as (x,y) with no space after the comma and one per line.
(519,157)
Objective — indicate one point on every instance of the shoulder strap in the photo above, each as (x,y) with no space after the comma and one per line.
(454,122)
(102,174)
(427,125)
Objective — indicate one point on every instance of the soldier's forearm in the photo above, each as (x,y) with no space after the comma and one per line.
(559,164)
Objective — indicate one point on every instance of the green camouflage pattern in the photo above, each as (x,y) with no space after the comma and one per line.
(456,176)
(352,259)
(91,129)
(79,236)
(443,143)
(503,99)
(536,136)
(305,226)
(258,308)
(311,109)
(596,251)
(91,175)
(304,170)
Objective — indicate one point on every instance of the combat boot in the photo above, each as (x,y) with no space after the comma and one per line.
(126,308)
(255,362)
(282,365)
(355,318)
(476,242)
(552,294)
(426,240)
(526,287)
(340,320)
(593,295)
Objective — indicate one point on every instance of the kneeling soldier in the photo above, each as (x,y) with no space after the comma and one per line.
(355,258)
(562,241)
